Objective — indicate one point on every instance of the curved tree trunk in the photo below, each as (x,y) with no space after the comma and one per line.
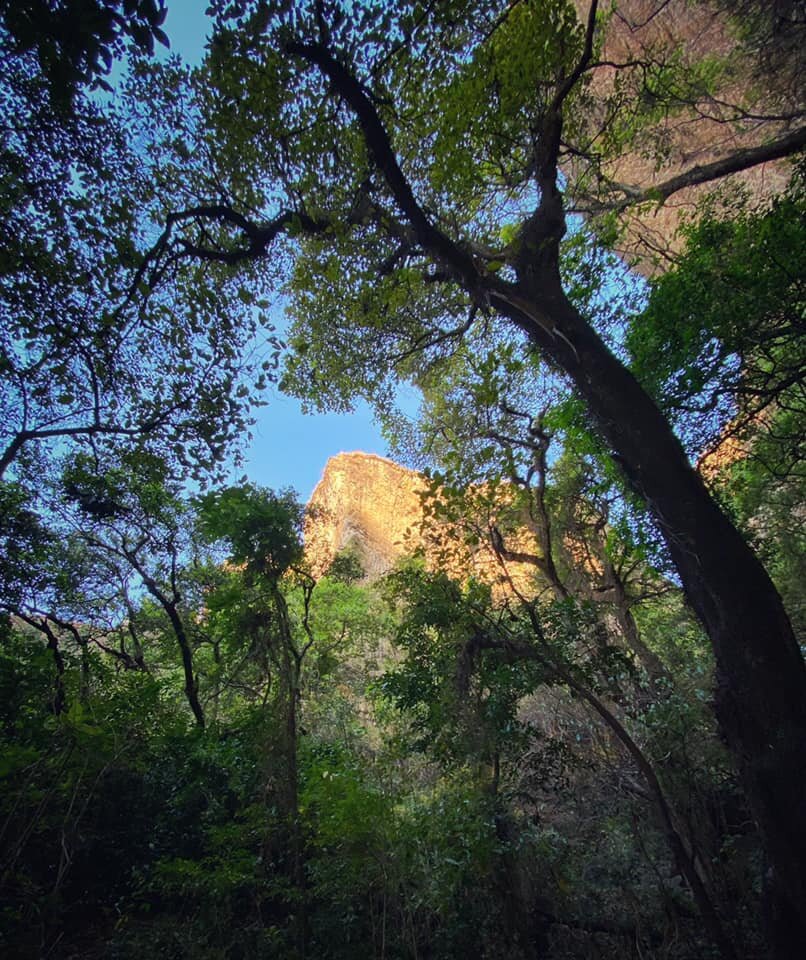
(761,678)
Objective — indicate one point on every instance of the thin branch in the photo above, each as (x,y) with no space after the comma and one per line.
(24,436)
(427,342)
(258,236)
(587,53)
(784,146)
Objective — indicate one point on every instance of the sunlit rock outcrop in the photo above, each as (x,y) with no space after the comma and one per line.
(367,505)
(378,511)
(688,135)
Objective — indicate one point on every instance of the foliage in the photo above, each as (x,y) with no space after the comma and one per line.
(263,529)
(720,337)
(24,542)
(76,41)
(95,367)
(206,752)
(720,343)
(440,623)
(346,567)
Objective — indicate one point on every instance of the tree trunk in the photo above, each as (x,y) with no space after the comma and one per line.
(169,605)
(680,849)
(291,678)
(294,824)
(59,702)
(761,679)
(191,685)
(650,661)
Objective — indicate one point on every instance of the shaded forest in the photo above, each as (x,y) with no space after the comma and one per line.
(577,231)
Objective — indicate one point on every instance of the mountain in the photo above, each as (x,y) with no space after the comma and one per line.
(367,505)
(378,511)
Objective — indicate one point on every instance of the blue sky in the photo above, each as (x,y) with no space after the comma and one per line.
(289,448)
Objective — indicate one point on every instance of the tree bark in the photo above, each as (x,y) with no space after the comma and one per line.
(760,695)
(291,660)
(169,605)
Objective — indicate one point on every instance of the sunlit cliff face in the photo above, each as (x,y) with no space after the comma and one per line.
(685,135)
(367,505)
(375,509)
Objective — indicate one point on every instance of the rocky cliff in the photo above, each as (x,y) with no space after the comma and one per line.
(367,505)
(756,96)
(376,510)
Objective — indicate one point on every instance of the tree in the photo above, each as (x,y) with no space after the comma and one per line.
(96,368)
(76,41)
(264,533)
(733,365)
(457,682)
(416,160)
(86,355)
(730,373)
(520,474)
(92,359)
(124,530)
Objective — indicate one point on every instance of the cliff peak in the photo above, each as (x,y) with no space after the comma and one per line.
(374,508)
(366,504)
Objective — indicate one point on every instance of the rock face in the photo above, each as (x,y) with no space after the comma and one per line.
(701,133)
(368,505)
(375,509)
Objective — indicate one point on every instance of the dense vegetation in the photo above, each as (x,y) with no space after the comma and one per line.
(209,749)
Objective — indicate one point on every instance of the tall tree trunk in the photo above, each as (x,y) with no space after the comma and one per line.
(760,693)
(294,824)
(59,702)
(291,678)
(677,842)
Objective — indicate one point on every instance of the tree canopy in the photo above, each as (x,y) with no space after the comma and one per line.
(418,168)
(438,194)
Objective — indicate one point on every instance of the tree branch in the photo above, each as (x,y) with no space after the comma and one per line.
(430,237)
(587,53)
(518,650)
(259,238)
(90,430)
(785,146)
